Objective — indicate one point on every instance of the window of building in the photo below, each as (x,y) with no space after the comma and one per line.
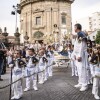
(63,19)
(38,20)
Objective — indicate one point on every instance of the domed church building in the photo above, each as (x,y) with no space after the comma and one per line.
(45,20)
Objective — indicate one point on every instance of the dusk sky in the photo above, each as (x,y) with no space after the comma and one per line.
(80,9)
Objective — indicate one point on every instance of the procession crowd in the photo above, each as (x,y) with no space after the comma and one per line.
(36,58)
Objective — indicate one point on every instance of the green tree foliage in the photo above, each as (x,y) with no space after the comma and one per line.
(98,37)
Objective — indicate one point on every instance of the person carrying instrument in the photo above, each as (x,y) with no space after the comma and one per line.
(17,65)
(30,69)
(95,63)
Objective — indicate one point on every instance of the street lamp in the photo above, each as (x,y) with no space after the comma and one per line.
(17,10)
(5,34)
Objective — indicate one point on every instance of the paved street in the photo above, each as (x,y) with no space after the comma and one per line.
(59,87)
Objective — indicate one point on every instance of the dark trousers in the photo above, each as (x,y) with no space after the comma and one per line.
(4,65)
(1,66)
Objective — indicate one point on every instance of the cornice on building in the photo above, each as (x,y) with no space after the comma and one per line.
(26,2)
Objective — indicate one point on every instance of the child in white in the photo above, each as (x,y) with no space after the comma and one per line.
(95,64)
(73,66)
(31,69)
(50,61)
(17,74)
(42,67)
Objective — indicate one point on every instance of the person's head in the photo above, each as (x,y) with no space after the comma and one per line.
(95,50)
(49,47)
(77,27)
(36,42)
(41,52)
(31,52)
(17,54)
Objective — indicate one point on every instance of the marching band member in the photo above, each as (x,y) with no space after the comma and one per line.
(31,68)
(89,50)
(17,74)
(50,53)
(73,66)
(42,67)
(95,64)
(81,57)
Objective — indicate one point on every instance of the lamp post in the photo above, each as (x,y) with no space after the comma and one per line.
(17,10)
(5,34)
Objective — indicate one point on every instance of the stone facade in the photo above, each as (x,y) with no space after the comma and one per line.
(45,19)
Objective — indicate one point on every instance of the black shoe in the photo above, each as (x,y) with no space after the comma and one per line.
(1,79)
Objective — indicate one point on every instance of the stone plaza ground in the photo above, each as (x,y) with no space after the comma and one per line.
(58,87)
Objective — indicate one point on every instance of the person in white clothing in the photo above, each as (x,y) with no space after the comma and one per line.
(17,65)
(50,53)
(30,69)
(81,58)
(42,67)
(73,66)
(95,64)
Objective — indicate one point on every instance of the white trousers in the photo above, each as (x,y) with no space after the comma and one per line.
(95,85)
(74,68)
(17,87)
(30,71)
(82,73)
(50,68)
(92,69)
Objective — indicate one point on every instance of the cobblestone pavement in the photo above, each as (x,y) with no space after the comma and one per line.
(58,87)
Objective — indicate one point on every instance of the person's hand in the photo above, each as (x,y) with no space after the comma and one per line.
(11,65)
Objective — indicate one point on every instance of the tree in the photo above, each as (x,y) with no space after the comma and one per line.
(98,37)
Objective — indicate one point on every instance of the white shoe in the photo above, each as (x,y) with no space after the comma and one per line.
(93,93)
(78,86)
(45,79)
(35,88)
(13,98)
(50,75)
(96,97)
(83,89)
(41,82)
(17,97)
(26,89)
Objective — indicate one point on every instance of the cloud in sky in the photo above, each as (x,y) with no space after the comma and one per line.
(80,9)
(84,8)
(6,19)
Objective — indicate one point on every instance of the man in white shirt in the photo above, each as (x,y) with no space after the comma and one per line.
(81,57)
